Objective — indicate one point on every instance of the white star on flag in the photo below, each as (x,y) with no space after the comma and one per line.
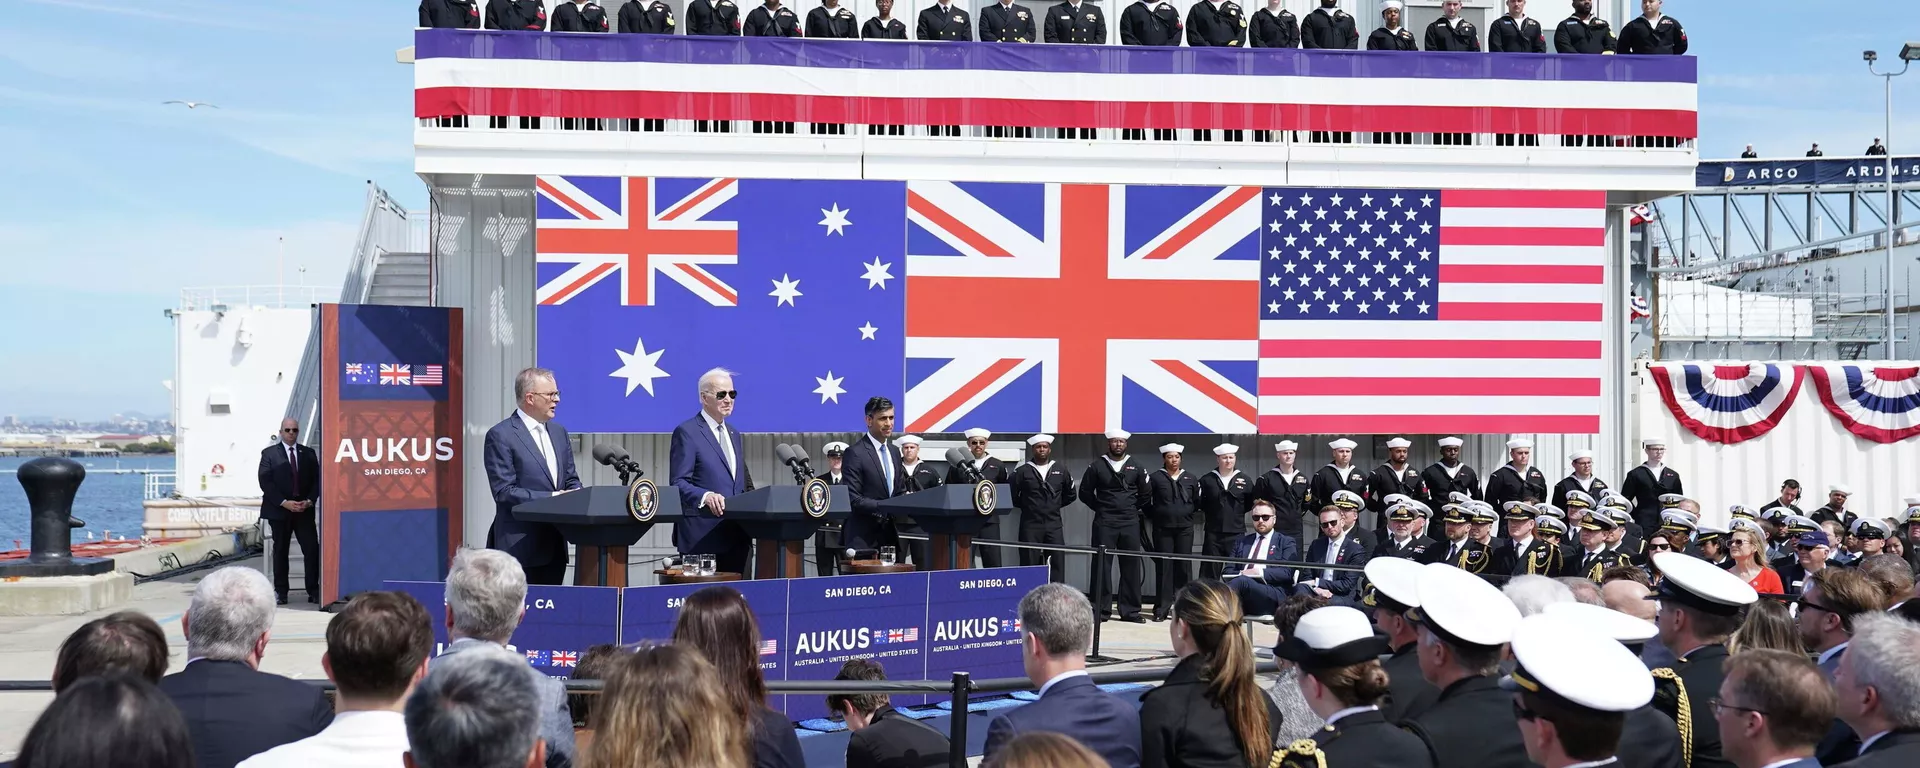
(640,367)
(867,331)
(877,274)
(829,388)
(785,289)
(836,220)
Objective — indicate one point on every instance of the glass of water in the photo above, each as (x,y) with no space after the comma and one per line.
(886,555)
(706,565)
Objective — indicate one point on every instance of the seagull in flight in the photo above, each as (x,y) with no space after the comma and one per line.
(191,104)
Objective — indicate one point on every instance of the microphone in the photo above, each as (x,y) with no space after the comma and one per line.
(617,457)
(783,453)
(958,457)
(860,554)
(791,455)
(801,454)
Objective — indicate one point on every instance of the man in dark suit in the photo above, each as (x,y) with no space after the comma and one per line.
(1336,546)
(1040,489)
(874,474)
(1774,705)
(1880,660)
(882,737)
(233,710)
(1262,588)
(289,486)
(1056,623)
(529,457)
(705,467)
(990,469)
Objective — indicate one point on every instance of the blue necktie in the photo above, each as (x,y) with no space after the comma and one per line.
(886,462)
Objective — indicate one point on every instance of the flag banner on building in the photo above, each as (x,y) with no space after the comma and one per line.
(1881,404)
(1799,172)
(834,81)
(1073,308)
(389,423)
(1727,403)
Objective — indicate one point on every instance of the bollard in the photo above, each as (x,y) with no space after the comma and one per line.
(1100,598)
(957,733)
(50,484)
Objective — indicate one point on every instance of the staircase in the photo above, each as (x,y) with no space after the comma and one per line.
(402,279)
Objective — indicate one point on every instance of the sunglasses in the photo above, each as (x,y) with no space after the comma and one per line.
(1804,604)
(1660,547)
(726,394)
(1329,523)
(1262,517)
(977,441)
(291,430)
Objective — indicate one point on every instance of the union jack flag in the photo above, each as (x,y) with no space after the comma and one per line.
(565,658)
(396,373)
(1080,261)
(896,636)
(602,227)
(769,647)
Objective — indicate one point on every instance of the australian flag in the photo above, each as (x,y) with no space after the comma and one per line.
(646,283)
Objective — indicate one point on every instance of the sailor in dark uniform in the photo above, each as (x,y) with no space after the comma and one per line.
(1339,475)
(1350,504)
(1582,480)
(1653,33)
(1649,739)
(1678,526)
(1485,521)
(1150,23)
(646,17)
(1631,538)
(1518,479)
(1594,557)
(1404,538)
(1007,22)
(517,14)
(1040,488)
(1393,587)
(1273,27)
(1445,477)
(1336,645)
(920,476)
(713,18)
(884,27)
(826,541)
(1216,24)
(1835,510)
(1076,21)
(1450,32)
(1173,497)
(1396,476)
(1709,601)
(1516,32)
(1458,549)
(1392,35)
(944,21)
(579,16)
(1286,488)
(1581,684)
(1328,27)
(450,14)
(1583,32)
(1465,624)
(830,20)
(772,20)
(1525,554)
(1578,506)
(1225,496)
(1115,489)
(1645,483)
(991,470)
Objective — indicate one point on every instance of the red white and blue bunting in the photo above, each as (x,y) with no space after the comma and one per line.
(1881,404)
(1728,403)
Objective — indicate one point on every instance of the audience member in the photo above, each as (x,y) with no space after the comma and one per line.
(1041,749)
(1393,589)
(377,649)
(667,707)
(1749,562)
(233,710)
(1572,691)
(1465,624)
(1631,573)
(1346,684)
(1811,550)
(1879,691)
(1768,625)
(1297,719)
(1628,595)
(486,597)
(595,664)
(1584,590)
(1532,594)
(475,709)
(717,622)
(112,720)
(1832,600)
(1057,627)
(127,642)
(1209,711)
(1700,606)
(1772,709)
(882,737)
(1889,573)
(1649,738)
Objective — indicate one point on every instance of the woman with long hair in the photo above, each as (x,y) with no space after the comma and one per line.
(1210,711)
(717,622)
(661,709)
(1345,683)
(1767,625)
(1749,561)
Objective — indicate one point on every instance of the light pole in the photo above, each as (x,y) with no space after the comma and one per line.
(1908,54)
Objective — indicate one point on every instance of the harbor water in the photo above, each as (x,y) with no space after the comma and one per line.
(108,501)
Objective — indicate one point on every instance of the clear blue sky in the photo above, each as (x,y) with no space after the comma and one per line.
(113,202)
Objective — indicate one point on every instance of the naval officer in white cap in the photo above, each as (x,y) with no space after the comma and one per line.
(1572,689)
(920,476)
(1581,479)
(1448,476)
(1645,484)
(1465,625)
(1650,738)
(1040,488)
(1338,475)
(1516,480)
(1700,606)
(1115,488)
(991,470)
(1345,683)
(1396,476)
(1393,588)
(1286,488)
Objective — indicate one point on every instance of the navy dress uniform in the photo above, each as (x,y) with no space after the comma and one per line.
(1081,23)
(1287,491)
(450,14)
(1040,489)
(921,476)
(1590,35)
(1115,489)
(1225,498)
(1173,498)
(1512,483)
(1463,553)
(646,18)
(1392,39)
(1456,34)
(1150,23)
(1329,28)
(1215,24)
(579,17)
(1273,28)
(1334,638)
(517,14)
(1007,22)
(1705,587)
(714,18)
(1332,478)
(1594,559)
(836,22)
(1535,556)
(1393,587)
(1649,739)
(944,22)
(1590,677)
(1644,485)
(878,28)
(1443,479)
(1553,530)
(1662,36)
(991,470)
(1386,480)
(1511,35)
(826,541)
(1591,486)
(1471,724)
(772,20)
(1404,510)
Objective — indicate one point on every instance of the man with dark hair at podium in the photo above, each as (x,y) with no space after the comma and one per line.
(991,470)
(289,485)
(528,457)
(705,467)
(874,474)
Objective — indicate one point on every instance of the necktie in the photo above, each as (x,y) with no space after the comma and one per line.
(886,462)
(726,448)
(293,460)
(546,452)
(1259,553)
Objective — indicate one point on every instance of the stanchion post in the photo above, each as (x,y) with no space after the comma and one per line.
(962,695)
(1099,599)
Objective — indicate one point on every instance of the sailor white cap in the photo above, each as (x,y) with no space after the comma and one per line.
(1913,514)
(1578,455)
(1549,510)
(1709,532)
(1342,443)
(1840,488)
(1868,528)
(1742,510)
(1564,658)
(1458,497)
(1614,499)
(1347,500)
(977,432)
(1911,501)
(1225,449)
(834,448)
(1392,5)
(1451,442)
(1286,445)
(1518,443)
(1801,523)
(906,440)
(1607,622)
(1173,448)
(1747,523)
(1579,499)
(1677,521)
(1395,498)
(1332,637)
(1548,524)
(1399,442)
(1464,608)
(1408,510)
(1395,582)
(1040,438)
(1672,499)
(1701,585)
(1650,442)
(1119,434)
(1619,516)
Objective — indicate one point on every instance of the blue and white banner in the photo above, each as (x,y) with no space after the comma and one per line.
(833,619)
(561,623)
(1881,404)
(649,613)
(974,618)
(1727,403)
(1812,171)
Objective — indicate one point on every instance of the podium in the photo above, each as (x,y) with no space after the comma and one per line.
(601,522)
(951,514)
(777,519)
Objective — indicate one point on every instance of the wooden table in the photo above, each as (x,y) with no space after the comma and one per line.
(676,577)
(863,567)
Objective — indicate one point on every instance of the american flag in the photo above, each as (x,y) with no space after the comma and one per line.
(769,647)
(429,376)
(396,373)
(1431,311)
(629,229)
(565,658)
(913,634)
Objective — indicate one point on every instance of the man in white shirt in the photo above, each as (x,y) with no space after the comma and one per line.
(377,650)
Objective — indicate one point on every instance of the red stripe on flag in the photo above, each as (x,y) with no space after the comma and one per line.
(1490,386)
(707,280)
(1426,425)
(1536,236)
(1208,387)
(562,199)
(1522,198)
(1205,222)
(711,190)
(1522,273)
(962,395)
(575,286)
(1489,349)
(943,220)
(1534,312)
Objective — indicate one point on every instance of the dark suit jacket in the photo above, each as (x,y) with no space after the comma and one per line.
(1899,749)
(866,483)
(1077,708)
(234,712)
(1409,692)
(894,740)
(1180,725)
(1279,547)
(517,473)
(1369,740)
(774,743)
(277,481)
(696,466)
(1352,552)
(1472,726)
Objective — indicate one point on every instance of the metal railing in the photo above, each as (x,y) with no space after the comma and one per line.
(157,485)
(224,297)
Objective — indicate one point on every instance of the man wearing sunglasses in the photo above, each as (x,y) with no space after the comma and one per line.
(1262,588)
(706,466)
(289,485)
(1811,551)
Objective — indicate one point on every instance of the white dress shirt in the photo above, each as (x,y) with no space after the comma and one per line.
(1257,553)
(545,443)
(719,432)
(886,462)
(1060,677)
(1342,714)
(353,740)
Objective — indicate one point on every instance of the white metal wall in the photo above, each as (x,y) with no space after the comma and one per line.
(244,358)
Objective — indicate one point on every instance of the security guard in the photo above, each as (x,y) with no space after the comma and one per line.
(1459,549)
(944,21)
(991,470)
(1653,33)
(830,20)
(1040,488)
(1709,601)
(516,14)
(1595,558)
(1393,588)
(1286,488)
(1448,475)
(1329,27)
(1115,489)
(579,16)
(1450,32)
(1215,24)
(1225,496)
(1076,22)
(1273,27)
(1582,480)
(1391,36)
(1516,32)
(1150,22)
(1518,479)
(1007,22)
(717,18)
(920,477)
(884,26)
(1526,554)
(772,20)
(826,541)
(1396,476)
(1173,497)
(1339,475)
(449,14)
(1465,624)
(1584,32)
(646,18)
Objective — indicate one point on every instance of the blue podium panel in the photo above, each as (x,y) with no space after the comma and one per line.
(974,618)
(650,612)
(560,625)
(836,618)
